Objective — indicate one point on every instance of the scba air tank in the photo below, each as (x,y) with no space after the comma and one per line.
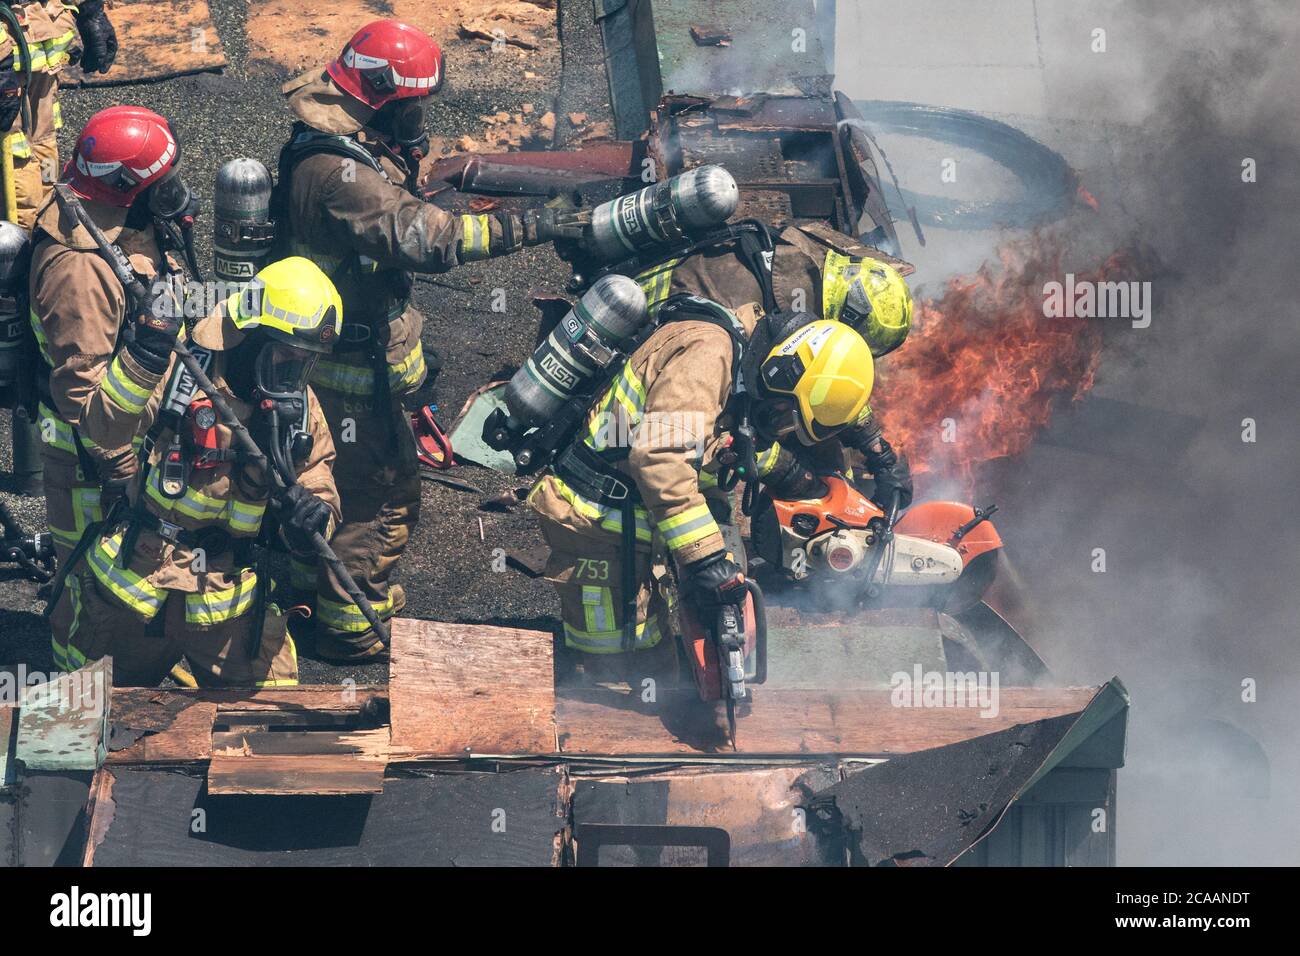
(695,200)
(580,347)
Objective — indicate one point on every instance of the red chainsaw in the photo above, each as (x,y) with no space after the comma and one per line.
(940,553)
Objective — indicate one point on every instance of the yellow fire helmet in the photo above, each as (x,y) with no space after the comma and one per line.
(870,296)
(815,382)
(294,302)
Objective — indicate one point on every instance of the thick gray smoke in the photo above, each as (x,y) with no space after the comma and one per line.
(1198,526)
(1197,604)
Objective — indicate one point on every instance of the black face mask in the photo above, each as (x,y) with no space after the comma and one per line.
(403,121)
(280,374)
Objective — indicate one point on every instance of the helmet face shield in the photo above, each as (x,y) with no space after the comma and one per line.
(283,370)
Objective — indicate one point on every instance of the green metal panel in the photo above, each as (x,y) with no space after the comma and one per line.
(63,725)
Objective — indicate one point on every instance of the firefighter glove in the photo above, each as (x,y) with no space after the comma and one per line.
(98,38)
(714,581)
(891,472)
(789,480)
(302,515)
(547,225)
(150,339)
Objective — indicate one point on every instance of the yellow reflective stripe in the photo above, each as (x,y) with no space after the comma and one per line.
(610,640)
(58,115)
(282,682)
(193,504)
(122,390)
(656,283)
(610,518)
(38,329)
(629,392)
(347,617)
(245,516)
(60,651)
(407,373)
(598,608)
(127,586)
(86,508)
(55,432)
(214,607)
(344,378)
(692,525)
(241,516)
(66,538)
(475,237)
(767,459)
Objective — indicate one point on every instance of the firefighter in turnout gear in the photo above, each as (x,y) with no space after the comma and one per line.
(662,446)
(96,389)
(817,269)
(344,200)
(54,33)
(178,569)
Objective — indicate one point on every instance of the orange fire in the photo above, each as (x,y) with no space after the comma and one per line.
(984,367)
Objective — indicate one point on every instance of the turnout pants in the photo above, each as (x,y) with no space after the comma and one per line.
(71,504)
(378,478)
(219,655)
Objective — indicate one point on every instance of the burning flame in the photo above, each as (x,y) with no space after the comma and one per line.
(984,367)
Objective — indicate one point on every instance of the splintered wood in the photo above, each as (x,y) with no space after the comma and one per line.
(458,688)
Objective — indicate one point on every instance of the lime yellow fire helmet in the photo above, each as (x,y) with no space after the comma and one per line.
(815,382)
(870,296)
(294,302)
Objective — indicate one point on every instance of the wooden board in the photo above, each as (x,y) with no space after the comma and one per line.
(793,722)
(315,762)
(157,40)
(463,688)
(151,726)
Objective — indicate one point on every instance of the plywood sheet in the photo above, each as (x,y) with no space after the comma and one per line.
(793,722)
(457,688)
(157,39)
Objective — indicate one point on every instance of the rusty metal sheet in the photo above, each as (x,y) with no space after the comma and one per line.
(8,724)
(157,40)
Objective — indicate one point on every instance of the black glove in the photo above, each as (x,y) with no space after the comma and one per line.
(714,581)
(98,38)
(789,480)
(10,94)
(149,339)
(890,470)
(891,478)
(302,515)
(548,225)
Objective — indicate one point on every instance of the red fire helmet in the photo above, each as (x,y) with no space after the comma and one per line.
(388,60)
(122,151)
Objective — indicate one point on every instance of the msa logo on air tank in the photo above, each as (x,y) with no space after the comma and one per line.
(555,369)
(234,268)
